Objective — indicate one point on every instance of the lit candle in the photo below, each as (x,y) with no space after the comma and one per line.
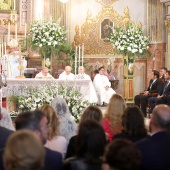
(75,61)
(16,27)
(25,31)
(82,53)
(79,55)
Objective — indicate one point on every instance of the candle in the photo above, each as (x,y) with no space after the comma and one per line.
(25,31)
(14,5)
(16,27)
(51,18)
(8,37)
(79,55)
(2,49)
(75,61)
(82,53)
(5,47)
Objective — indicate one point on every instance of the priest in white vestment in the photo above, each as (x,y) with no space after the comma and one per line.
(44,74)
(102,86)
(67,75)
(83,76)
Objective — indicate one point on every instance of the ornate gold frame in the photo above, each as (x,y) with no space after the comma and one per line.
(90,33)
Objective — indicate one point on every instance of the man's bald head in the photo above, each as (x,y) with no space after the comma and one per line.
(161,117)
(45,71)
(68,70)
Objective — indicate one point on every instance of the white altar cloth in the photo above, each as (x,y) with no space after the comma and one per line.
(14,86)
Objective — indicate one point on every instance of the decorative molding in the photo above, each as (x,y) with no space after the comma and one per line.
(106,2)
(167,24)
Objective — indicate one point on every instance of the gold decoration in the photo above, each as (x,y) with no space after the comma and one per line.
(91,30)
(167,24)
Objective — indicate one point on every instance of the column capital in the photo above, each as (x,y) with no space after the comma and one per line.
(164,1)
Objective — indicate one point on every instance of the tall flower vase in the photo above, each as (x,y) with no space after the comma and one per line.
(47,61)
(128,81)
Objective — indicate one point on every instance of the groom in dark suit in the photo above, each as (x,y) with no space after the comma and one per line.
(155,150)
(154,86)
(165,91)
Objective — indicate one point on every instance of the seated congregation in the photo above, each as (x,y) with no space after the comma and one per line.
(49,139)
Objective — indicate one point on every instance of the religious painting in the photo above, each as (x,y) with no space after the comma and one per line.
(106,29)
(7,5)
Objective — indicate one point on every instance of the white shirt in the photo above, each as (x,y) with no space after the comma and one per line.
(64,76)
(40,75)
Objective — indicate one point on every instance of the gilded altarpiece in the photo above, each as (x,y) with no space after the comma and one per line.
(98,50)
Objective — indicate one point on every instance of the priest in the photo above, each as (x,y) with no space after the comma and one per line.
(102,86)
(67,75)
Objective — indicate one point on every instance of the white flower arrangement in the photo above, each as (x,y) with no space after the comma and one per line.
(129,40)
(34,97)
(46,36)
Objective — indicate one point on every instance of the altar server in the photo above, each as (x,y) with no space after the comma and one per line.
(102,86)
(44,73)
(67,75)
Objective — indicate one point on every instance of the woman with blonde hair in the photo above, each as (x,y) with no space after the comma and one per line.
(24,150)
(55,141)
(112,122)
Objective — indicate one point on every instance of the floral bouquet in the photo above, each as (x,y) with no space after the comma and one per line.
(129,40)
(46,36)
(34,97)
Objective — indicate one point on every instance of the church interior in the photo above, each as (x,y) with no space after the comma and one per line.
(68,75)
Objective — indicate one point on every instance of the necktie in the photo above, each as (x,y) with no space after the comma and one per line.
(165,87)
(152,84)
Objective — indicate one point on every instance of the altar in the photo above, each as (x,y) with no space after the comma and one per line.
(15,86)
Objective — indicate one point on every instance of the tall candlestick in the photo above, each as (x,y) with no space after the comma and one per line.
(5,47)
(25,31)
(82,53)
(16,27)
(2,49)
(75,61)
(79,55)
(14,4)
(8,37)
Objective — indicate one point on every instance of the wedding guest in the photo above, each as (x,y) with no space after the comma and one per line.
(90,113)
(67,75)
(5,120)
(112,122)
(162,73)
(54,141)
(103,87)
(44,73)
(68,126)
(24,150)
(36,121)
(155,150)
(90,144)
(121,154)
(133,125)
(154,86)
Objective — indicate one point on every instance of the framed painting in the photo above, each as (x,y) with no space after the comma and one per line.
(8,5)
(106,25)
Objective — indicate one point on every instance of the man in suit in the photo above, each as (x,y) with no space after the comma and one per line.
(154,86)
(165,91)
(36,121)
(155,150)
